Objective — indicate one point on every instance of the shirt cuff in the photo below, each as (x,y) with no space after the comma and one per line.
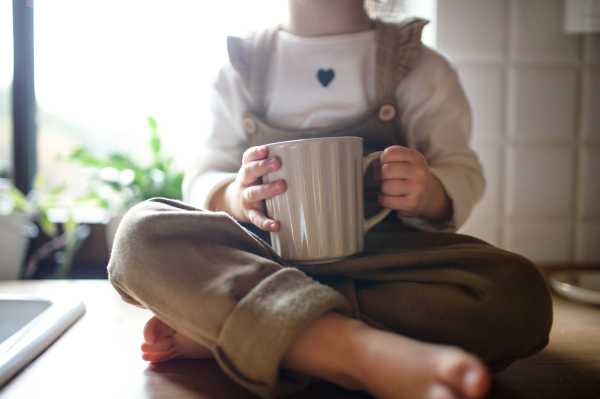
(204,188)
(461,193)
(463,197)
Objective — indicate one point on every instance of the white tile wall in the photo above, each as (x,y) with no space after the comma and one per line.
(540,182)
(591,122)
(588,250)
(593,48)
(543,102)
(538,31)
(490,155)
(487,230)
(535,94)
(589,196)
(487,18)
(541,240)
(485,86)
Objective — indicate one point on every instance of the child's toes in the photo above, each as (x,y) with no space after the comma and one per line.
(465,374)
(440,391)
(156,329)
(162,345)
(476,383)
(157,357)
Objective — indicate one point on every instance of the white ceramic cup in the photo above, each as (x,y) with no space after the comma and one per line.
(320,214)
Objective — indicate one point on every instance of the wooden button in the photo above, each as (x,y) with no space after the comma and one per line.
(249,125)
(387,112)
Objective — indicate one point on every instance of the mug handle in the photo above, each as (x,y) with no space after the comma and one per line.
(373,220)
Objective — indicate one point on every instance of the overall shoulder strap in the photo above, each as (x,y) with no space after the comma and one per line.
(398,45)
(251,58)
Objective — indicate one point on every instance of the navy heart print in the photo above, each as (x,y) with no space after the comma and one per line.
(325,76)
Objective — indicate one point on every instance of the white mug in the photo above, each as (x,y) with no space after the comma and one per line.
(320,213)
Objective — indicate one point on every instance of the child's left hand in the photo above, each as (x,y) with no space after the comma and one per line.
(408,186)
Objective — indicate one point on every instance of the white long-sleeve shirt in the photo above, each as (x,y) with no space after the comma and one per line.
(435,114)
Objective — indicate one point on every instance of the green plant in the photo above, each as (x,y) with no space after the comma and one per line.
(37,204)
(117,181)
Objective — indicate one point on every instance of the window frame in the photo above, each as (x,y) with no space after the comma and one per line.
(24,109)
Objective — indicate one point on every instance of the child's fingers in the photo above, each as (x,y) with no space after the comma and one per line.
(259,219)
(397,188)
(407,205)
(397,153)
(254,154)
(252,171)
(262,192)
(396,170)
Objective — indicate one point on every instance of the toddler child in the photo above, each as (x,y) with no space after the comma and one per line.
(421,313)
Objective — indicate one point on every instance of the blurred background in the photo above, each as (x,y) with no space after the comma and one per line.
(102,67)
(535,93)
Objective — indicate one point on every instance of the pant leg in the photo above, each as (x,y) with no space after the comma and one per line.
(447,288)
(210,279)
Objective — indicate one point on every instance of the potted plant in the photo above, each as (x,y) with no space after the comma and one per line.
(17,214)
(116,182)
(14,231)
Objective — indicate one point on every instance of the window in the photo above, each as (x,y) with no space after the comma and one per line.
(6,75)
(103,66)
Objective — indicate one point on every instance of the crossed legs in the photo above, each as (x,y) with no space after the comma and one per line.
(218,291)
(355,356)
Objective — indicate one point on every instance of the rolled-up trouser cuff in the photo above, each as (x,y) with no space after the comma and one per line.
(263,325)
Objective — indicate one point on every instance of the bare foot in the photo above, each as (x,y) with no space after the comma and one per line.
(400,367)
(163,343)
(386,365)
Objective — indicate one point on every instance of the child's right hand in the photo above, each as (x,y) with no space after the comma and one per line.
(245,196)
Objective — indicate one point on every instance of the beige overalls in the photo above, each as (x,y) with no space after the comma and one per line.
(219,284)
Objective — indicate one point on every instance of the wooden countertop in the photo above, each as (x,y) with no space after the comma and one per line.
(99,357)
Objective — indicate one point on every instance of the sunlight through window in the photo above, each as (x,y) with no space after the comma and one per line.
(104,66)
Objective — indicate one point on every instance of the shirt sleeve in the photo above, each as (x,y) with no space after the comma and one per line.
(221,158)
(436,118)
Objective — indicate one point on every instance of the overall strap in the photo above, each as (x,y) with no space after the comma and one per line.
(251,57)
(398,45)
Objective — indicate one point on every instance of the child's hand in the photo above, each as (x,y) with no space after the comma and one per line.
(246,195)
(408,186)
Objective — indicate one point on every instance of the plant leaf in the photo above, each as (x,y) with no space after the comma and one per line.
(58,189)
(152,123)
(155,143)
(47,226)
(19,199)
(38,182)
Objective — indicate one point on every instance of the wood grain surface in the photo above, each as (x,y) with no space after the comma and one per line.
(99,357)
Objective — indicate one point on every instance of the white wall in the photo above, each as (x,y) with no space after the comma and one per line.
(425,9)
(535,93)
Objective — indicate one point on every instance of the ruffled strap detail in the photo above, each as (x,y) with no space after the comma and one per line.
(250,56)
(398,45)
